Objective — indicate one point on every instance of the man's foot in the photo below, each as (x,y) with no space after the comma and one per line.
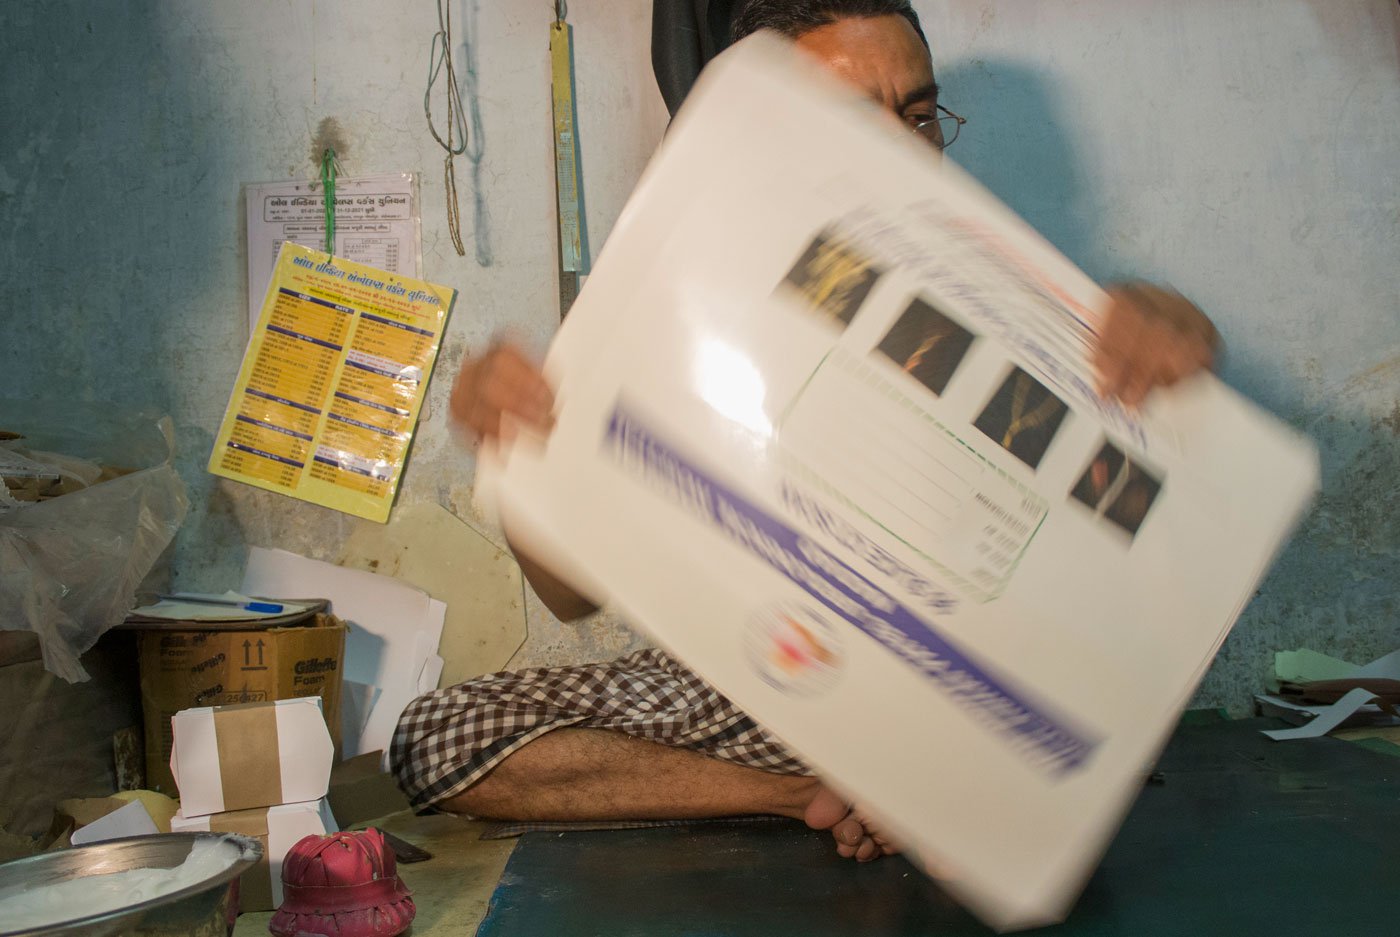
(855,837)
(594,774)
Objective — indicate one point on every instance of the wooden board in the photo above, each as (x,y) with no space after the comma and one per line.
(427,546)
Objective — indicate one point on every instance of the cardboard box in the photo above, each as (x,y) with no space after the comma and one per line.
(278,829)
(256,755)
(220,667)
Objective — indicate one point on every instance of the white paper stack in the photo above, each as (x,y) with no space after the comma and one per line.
(390,650)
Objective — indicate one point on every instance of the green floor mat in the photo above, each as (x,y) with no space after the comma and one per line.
(1243,836)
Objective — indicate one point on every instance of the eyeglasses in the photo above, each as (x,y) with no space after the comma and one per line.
(940,131)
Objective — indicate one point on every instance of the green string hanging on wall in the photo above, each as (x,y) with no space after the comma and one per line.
(328,170)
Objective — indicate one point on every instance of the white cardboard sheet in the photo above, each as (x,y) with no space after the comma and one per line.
(390,647)
(131,820)
(794,443)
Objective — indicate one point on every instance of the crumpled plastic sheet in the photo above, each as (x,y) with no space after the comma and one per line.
(70,566)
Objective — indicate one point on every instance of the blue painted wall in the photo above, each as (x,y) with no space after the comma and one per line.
(1244,152)
(126,132)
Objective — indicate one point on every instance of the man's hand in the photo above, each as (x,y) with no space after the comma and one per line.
(493,396)
(1151,338)
(499,391)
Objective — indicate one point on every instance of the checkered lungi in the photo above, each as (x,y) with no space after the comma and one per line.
(449,739)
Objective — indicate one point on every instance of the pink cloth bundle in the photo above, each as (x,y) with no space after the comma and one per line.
(342,885)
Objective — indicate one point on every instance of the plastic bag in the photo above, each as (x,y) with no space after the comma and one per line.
(70,566)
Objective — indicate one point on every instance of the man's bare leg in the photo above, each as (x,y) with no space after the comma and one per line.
(591,774)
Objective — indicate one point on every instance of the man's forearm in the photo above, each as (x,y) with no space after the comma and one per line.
(559,597)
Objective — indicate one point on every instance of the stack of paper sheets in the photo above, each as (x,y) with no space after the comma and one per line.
(390,650)
(827,429)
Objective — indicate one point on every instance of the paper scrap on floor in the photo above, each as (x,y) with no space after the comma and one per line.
(391,647)
(827,429)
(1358,706)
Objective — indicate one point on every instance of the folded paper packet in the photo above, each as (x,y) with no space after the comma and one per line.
(278,829)
(227,758)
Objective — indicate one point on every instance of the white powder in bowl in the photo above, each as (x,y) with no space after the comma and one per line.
(87,895)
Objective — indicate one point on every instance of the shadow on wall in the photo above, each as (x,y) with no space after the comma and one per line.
(1015,144)
(1333,586)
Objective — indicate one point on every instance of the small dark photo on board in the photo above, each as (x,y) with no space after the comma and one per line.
(1023,417)
(927,345)
(1117,489)
(833,277)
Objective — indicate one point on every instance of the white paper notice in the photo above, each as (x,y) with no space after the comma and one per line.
(827,429)
(1328,717)
(377,222)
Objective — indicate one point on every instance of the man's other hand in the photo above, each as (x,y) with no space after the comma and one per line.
(494,396)
(1151,338)
(500,391)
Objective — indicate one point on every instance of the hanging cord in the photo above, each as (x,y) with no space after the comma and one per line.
(440,60)
(329,166)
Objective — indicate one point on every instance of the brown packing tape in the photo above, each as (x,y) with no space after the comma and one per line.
(250,768)
(255,885)
(248,822)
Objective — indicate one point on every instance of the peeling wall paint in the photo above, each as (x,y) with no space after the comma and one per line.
(1242,152)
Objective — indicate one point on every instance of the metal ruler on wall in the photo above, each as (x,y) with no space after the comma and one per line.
(568,164)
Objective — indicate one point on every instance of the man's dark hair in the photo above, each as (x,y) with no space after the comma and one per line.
(794,18)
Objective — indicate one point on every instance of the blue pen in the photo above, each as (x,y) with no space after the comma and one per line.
(271,608)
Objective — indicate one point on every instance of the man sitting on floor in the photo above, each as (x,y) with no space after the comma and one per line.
(642,737)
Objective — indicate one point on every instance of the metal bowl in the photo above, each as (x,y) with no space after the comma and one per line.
(206,909)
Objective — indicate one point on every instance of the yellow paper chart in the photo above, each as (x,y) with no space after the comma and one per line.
(332,382)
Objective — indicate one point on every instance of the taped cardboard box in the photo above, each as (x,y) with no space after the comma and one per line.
(181,669)
(278,829)
(256,755)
